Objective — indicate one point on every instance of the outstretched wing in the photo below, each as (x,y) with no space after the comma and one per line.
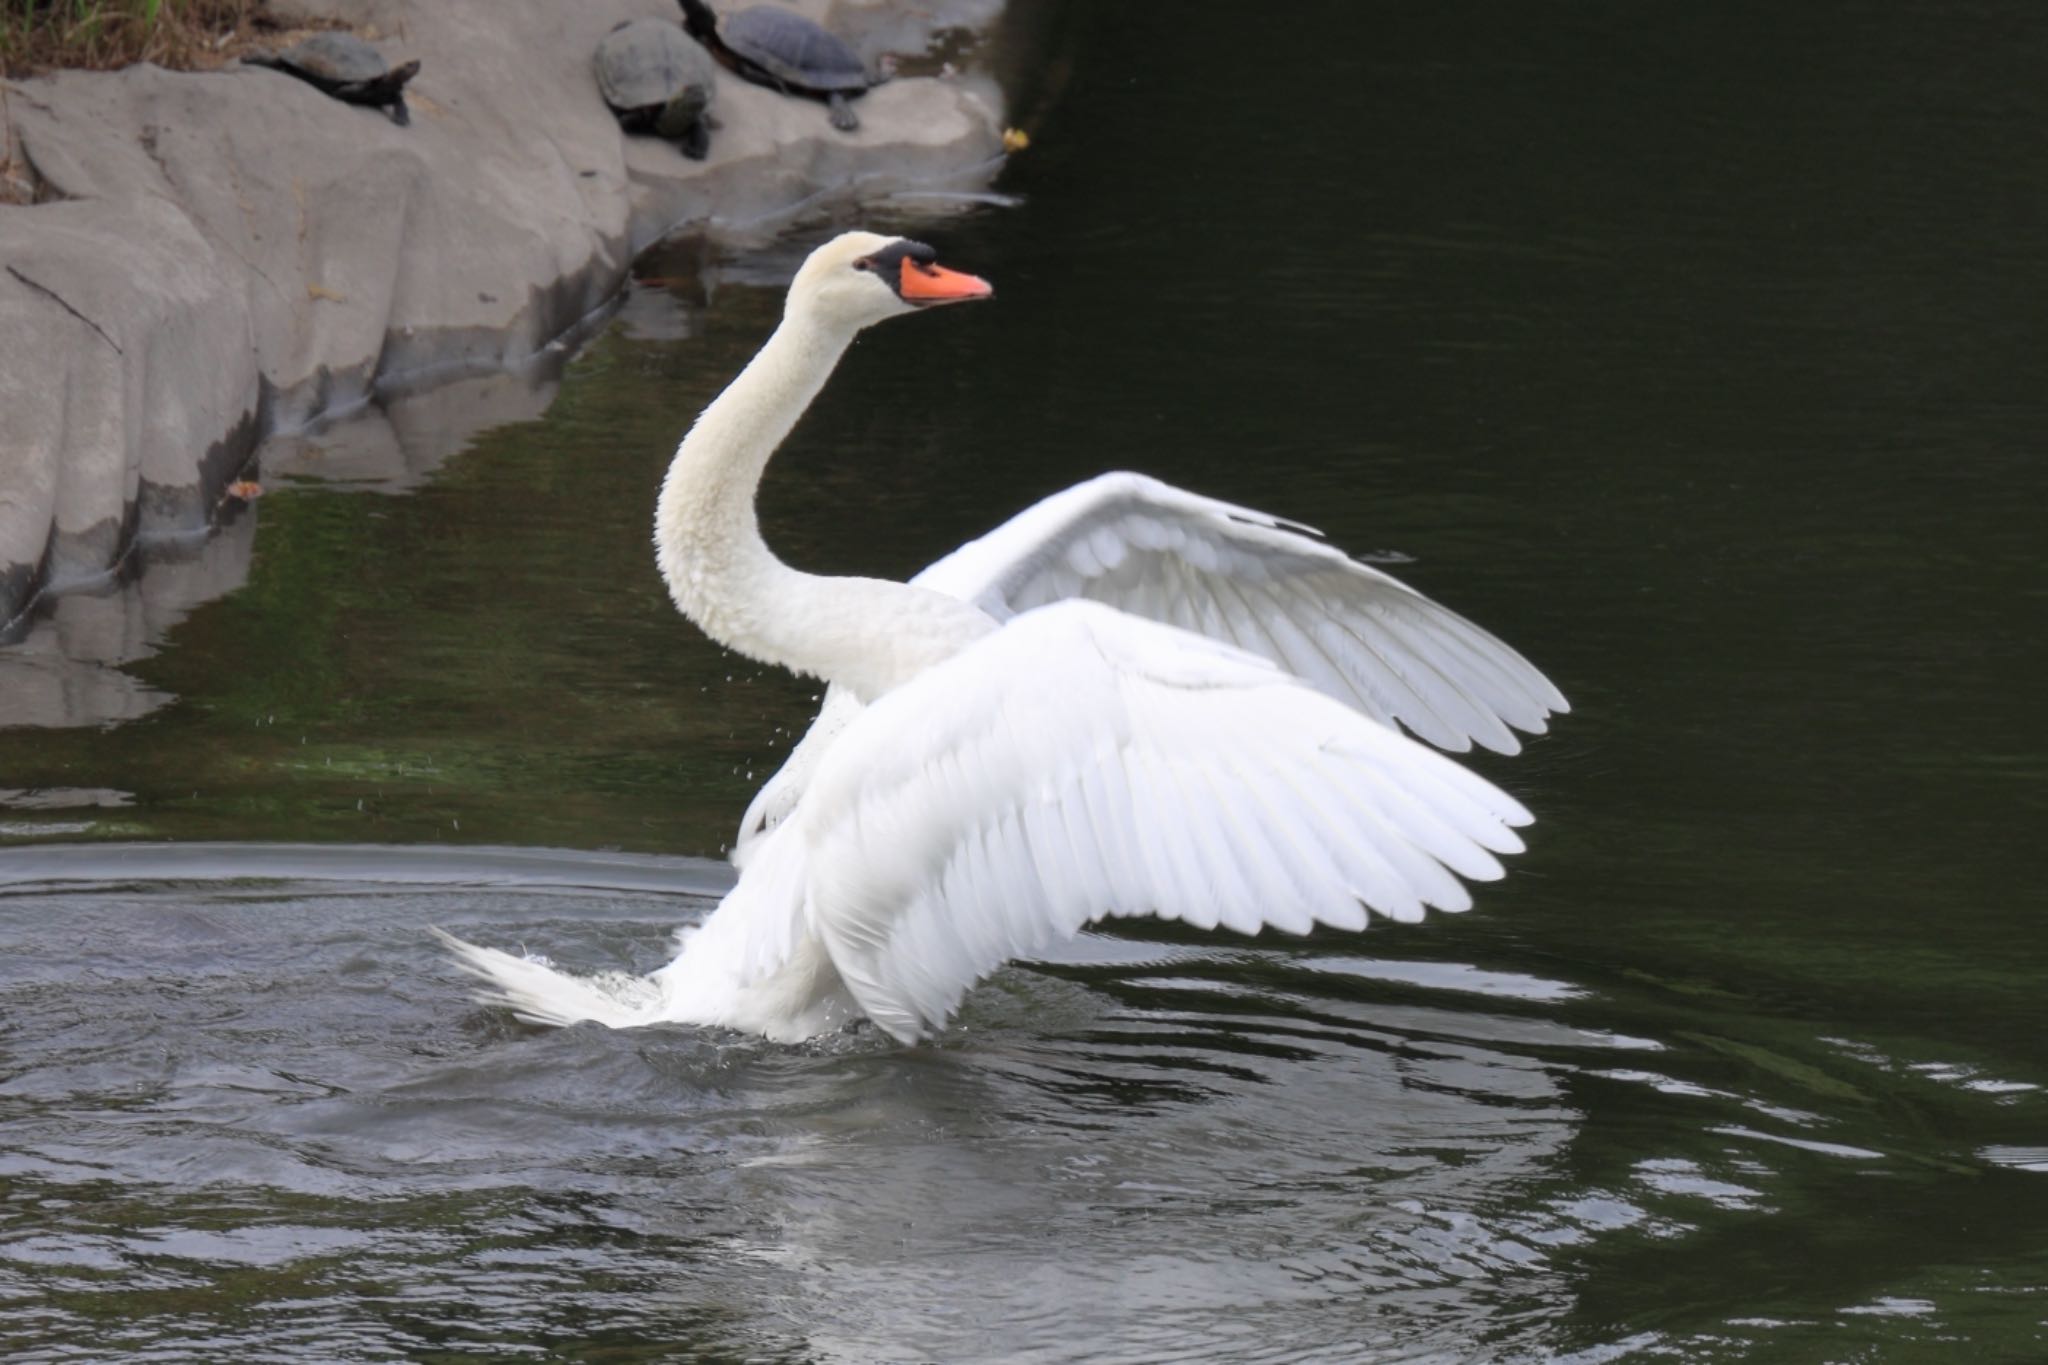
(1080,763)
(1268,586)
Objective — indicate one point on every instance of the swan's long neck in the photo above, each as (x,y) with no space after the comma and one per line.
(864,633)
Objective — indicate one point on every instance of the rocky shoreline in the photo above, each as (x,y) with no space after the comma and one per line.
(214,258)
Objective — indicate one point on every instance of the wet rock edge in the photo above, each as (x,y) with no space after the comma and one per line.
(190,277)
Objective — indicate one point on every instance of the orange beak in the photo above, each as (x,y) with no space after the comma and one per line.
(936,284)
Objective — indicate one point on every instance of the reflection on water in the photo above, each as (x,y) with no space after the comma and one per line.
(396,443)
(69,668)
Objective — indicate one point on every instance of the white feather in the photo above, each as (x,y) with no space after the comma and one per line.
(1126,768)
(1127,700)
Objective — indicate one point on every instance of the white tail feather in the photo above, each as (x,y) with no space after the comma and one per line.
(539,994)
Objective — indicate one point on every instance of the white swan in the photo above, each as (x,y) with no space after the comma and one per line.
(1128,700)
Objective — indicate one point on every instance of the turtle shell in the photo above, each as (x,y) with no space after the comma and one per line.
(645,63)
(335,59)
(794,50)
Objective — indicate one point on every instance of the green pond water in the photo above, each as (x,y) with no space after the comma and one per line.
(1696,351)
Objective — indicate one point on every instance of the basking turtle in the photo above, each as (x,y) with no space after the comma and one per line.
(657,81)
(784,51)
(347,68)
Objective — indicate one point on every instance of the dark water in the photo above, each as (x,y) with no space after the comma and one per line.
(1697,350)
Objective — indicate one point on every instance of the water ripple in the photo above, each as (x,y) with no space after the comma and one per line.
(250,1084)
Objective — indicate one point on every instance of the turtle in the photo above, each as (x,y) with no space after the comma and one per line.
(347,68)
(784,51)
(657,81)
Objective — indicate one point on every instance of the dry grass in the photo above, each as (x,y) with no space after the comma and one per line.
(37,35)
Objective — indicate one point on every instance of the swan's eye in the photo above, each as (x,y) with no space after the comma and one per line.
(864,263)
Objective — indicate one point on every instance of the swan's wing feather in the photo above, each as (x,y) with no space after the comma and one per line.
(1080,763)
(755,929)
(1260,582)
(1266,585)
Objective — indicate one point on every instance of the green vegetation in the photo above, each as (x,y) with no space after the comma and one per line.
(37,35)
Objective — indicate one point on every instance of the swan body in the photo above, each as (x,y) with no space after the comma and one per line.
(1127,700)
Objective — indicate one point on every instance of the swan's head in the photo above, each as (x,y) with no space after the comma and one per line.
(859,278)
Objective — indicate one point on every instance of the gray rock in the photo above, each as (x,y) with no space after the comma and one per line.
(227,254)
